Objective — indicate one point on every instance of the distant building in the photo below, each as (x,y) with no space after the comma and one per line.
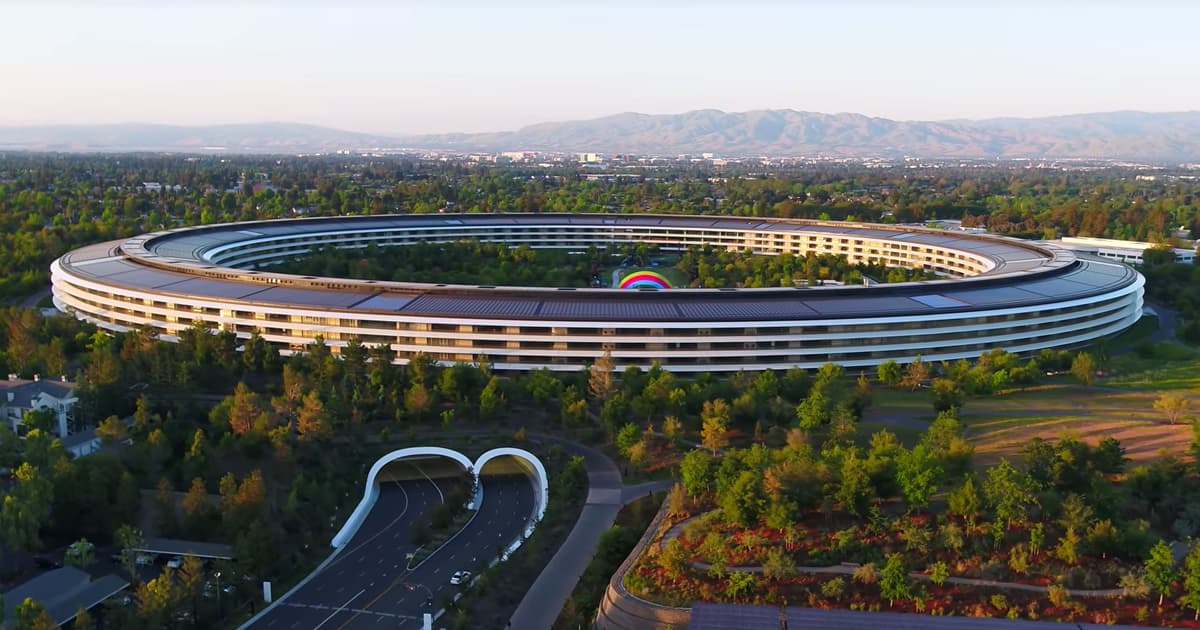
(18,396)
(1129,252)
(591,158)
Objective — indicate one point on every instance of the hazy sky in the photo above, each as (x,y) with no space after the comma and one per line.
(420,67)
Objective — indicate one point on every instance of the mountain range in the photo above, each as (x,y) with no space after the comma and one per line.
(1128,135)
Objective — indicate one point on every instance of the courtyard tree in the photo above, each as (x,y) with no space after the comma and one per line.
(1160,569)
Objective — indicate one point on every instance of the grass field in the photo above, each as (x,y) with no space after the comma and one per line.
(999,424)
(1170,367)
(1002,438)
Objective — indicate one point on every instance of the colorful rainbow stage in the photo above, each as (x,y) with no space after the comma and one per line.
(644,280)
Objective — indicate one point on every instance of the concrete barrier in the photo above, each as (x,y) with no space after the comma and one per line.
(622,610)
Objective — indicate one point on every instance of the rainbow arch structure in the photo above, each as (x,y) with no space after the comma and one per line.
(644,280)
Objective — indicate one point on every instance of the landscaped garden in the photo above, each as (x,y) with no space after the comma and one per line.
(1055,525)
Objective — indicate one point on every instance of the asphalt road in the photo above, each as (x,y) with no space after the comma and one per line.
(377,550)
(369,586)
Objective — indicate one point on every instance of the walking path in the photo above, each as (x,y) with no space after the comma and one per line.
(606,495)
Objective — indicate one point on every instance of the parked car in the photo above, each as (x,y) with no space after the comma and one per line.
(460,577)
(175,562)
(144,559)
(46,562)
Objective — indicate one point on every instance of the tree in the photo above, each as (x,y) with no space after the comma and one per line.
(964,501)
(673,559)
(938,572)
(1083,368)
(1068,546)
(714,417)
(1173,405)
(946,394)
(917,473)
(197,510)
(627,437)
(672,429)
(83,620)
(129,539)
(855,486)
(491,399)
(601,385)
(676,500)
(312,422)
(112,431)
(80,553)
(893,579)
(244,409)
(889,373)
(31,615)
(573,408)
(777,564)
(1191,580)
(695,470)
(743,502)
(165,519)
(1160,569)
(1009,492)
(25,507)
(915,374)
(417,400)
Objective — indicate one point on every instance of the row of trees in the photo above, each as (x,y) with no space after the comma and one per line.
(50,204)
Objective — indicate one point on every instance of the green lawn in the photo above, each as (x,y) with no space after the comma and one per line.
(1169,367)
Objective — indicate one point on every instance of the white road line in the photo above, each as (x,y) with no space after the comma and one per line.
(385,527)
(334,613)
(435,486)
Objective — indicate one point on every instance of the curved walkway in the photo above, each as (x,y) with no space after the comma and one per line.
(606,495)
(848,569)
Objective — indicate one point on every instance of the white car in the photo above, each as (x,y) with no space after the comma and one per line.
(460,577)
(175,562)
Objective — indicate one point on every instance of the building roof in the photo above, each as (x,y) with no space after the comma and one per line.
(707,616)
(63,592)
(25,391)
(181,264)
(174,547)
(76,439)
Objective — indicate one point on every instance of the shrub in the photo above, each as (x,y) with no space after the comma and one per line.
(1058,595)
(866,574)
(834,589)
(938,572)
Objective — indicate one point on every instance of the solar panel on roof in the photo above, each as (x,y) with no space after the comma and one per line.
(610,309)
(939,301)
(891,305)
(745,309)
(310,297)
(468,305)
(385,302)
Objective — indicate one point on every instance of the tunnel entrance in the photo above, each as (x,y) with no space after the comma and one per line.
(448,469)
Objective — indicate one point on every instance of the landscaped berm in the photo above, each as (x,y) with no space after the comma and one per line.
(1064,527)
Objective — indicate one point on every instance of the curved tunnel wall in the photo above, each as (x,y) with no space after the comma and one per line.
(371,492)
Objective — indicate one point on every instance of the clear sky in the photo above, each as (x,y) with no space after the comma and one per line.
(422,67)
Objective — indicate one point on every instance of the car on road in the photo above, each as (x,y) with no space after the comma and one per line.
(460,577)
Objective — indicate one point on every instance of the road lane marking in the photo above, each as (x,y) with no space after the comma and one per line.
(435,486)
(334,613)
